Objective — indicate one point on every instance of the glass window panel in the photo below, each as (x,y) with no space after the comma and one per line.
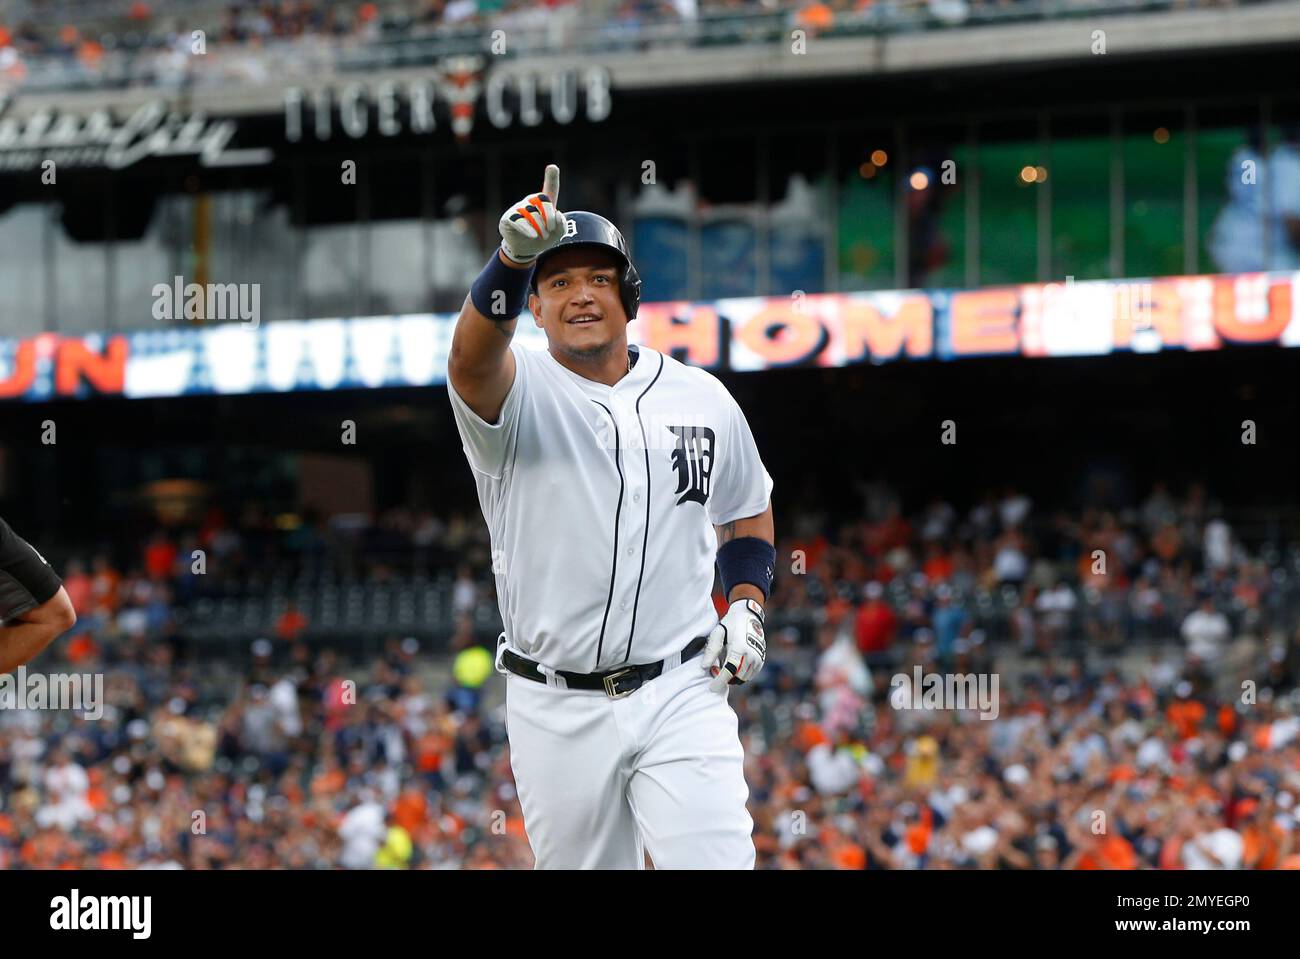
(22,269)
(864,242)
(399,275)
(1154,146)
(251,241)
(182,249)
(398,270)
(139,264)
(727,213)
(599,179)
(662,245)
(661,213)
(80,269)
(462,231)
(331,270)
(1230,203)
(728,253)
(185,214)
(276,269)
(522,170)
(1079,179)
(939,162)
(797,220)
(146,227)
(1008,159)
(332,256)
(1283,187)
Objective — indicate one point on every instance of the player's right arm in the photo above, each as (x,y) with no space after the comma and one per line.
(34,607)
(481,367)
(32,631)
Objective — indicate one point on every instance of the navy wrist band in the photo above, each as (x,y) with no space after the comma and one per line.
(503,287)
(747,560)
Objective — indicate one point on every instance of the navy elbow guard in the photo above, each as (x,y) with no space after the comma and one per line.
(747,560)
(501,292)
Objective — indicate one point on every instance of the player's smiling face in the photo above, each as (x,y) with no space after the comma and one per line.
(577,300)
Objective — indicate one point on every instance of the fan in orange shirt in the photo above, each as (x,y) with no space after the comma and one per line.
(159,557)
(938,565)
(808,734)
(917,837)
(1263,840)
(1121,773)
(292,623)
(1186,716)
(1227,720)
(330,780)
(836,608)
(411,811)
(1103,851)
(815,17)
(841,850)
(1171,853)
(112,859)
(104,583)
(848,855)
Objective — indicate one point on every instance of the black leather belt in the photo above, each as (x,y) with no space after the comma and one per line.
(615,683)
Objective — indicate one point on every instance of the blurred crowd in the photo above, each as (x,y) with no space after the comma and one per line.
(314,763)
(150,586)
(1151,719)
(1047,580)
(1002,571)
(149,42)
(142,28)
(308,761)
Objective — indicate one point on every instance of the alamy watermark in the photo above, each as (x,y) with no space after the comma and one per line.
(76,691)
(78,913)
(946,691)
(208,301)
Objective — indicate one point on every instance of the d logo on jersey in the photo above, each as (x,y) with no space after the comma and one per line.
(693,460)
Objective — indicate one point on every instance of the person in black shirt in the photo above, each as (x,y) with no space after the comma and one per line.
(34,606)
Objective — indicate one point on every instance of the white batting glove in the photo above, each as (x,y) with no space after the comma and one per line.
(739,639)
(534,224)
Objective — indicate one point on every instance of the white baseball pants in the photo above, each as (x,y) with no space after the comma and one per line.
(603,780)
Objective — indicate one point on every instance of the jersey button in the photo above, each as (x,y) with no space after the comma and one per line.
(636,497)
(631,550)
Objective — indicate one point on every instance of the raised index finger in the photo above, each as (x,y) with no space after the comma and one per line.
(551,184)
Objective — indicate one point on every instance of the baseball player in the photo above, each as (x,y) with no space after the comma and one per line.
(34,606)
(612,479)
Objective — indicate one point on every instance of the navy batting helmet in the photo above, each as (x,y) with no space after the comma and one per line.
(592,229)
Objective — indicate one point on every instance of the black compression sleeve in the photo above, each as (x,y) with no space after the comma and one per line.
(26,579)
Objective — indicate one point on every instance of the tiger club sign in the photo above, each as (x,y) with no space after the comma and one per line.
(414,106)
(451,98)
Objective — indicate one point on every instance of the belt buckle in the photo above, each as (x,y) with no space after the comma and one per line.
(611,680)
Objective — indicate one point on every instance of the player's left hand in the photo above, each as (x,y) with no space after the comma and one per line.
(739,640)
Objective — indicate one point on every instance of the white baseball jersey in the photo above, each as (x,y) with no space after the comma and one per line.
(601,502)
